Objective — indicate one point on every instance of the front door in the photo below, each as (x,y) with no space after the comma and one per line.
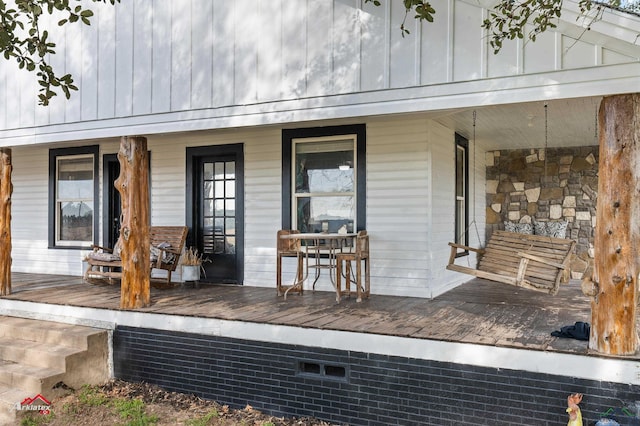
(215,210)
(112,207)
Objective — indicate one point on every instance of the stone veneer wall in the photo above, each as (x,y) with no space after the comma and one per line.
(522,186)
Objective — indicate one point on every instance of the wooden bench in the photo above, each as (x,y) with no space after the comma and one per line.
(167,243)
(530,261)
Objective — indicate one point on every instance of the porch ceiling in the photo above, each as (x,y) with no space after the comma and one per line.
(571,122)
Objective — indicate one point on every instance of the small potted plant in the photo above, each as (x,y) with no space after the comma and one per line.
(191,264)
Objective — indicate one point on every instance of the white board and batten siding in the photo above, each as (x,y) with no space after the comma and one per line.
(147,67)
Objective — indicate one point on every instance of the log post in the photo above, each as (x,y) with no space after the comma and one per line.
(133,185)
(6,189)
(615,275)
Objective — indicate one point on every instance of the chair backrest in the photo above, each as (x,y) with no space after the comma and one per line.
(362,244)
(287,246)
(174,236)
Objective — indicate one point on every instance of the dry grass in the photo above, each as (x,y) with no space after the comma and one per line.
(140,404)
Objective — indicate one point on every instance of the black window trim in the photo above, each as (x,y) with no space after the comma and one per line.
(53,155)
(463,142)
(288,135)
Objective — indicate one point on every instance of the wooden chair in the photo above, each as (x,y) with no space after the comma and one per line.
(534,262)
(289,248)
(167,243)
(359,255)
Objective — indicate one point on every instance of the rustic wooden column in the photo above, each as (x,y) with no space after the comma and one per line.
(615,277)
(6,189)
(133,185)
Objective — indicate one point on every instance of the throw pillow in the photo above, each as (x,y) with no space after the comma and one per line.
(540,228)
(520,228)
(557,229)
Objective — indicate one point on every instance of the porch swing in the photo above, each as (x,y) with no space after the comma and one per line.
(533,262)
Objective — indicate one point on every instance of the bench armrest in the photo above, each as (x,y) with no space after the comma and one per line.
(460,246)
(455,247)
(542,260)
(167,249)
(104,249)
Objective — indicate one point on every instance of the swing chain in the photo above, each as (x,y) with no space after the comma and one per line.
(546,142)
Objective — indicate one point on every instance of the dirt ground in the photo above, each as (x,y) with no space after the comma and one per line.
(98,405)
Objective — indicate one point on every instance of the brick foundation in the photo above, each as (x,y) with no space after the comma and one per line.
(353,387)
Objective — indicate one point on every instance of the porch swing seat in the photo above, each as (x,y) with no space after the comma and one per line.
(533,262)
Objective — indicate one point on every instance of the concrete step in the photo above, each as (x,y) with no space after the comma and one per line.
(45,331)
(42,359)
(35,353)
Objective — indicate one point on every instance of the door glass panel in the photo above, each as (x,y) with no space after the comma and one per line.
(230,189)
(219,211)
(208,171)
(208,189)
(230,170)
(230,246)
(219,192)
(230,226)
(219,171)
(230,208)
(208,207)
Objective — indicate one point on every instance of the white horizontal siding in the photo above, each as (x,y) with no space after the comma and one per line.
(262,199)
(397,207)
(443,205)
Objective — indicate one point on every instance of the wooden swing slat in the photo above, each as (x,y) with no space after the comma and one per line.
(529,261)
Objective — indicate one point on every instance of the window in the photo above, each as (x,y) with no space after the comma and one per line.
(73,186)
(323,178)
(462,190)
(325,184)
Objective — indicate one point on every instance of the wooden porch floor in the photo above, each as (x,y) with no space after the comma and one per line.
(478,312)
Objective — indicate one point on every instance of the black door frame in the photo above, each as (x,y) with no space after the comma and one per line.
(108,191)
(194,154)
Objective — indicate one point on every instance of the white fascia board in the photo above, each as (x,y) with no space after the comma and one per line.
(585,82)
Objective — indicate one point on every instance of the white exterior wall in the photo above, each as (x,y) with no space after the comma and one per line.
(409,218)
